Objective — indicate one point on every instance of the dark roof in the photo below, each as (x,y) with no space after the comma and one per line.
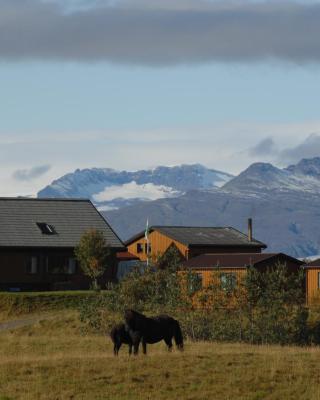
(203,236)
(314,263)
(239,260)
(69,218)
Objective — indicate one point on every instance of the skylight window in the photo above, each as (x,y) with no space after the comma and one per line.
(46,229)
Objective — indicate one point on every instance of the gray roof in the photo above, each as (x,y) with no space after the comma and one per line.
(70,219)
(204,236)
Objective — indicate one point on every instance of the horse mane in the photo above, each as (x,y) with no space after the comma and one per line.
(130,314)
(134,320)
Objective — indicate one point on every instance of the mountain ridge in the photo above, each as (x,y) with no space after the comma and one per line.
(130,187)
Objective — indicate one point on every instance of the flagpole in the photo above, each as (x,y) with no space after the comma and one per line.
(146,234)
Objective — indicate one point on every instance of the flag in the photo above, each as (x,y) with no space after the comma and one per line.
(146,233)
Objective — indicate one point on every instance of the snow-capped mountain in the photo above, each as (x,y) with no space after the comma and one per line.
(307,167)
(263,177)
(111,189)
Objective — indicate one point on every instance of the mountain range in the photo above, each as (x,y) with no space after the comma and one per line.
(110,189)
(284,203)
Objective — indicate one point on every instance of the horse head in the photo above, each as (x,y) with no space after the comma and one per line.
(133,319)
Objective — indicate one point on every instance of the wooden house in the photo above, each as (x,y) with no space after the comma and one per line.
(192,241)
(312,270)
(37,241)
(233,267)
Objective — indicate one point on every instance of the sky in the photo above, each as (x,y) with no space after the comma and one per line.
(132,84)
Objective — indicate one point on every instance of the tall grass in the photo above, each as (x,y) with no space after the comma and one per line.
(52,360)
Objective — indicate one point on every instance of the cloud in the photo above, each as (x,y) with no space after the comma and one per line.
(263,148)
(160,32)
(30,174)
(307,149)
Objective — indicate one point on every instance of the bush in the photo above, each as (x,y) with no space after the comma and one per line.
(262,308)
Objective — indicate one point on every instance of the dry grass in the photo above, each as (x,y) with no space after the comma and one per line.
(52,360)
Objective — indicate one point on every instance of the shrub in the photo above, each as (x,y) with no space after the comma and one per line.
(263,307)
(92,253)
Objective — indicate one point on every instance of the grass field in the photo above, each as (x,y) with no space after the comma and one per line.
(53,360)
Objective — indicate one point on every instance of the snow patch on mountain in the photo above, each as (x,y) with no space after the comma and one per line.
(110,189)
(263,177)
(132,190)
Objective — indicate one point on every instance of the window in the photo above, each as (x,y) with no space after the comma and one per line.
(61,265)
(318,280)
(228,281)
(147,249)
(32,265)
(46,229)
(139,248)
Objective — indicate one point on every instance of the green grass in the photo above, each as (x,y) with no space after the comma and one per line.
(53,360)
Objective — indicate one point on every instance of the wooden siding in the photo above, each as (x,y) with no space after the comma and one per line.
(312,289)
(159,244)
(14,274)
(207,274)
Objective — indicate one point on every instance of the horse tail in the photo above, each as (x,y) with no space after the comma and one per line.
(178,338)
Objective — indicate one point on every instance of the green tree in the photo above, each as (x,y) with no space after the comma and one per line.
(92,253)
(275,305)
(171,259)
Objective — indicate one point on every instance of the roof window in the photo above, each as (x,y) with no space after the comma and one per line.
(46,229)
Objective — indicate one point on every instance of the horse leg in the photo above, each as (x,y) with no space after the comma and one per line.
(116,348)
(144,346)
(168,343)
(130,349)
(136,344)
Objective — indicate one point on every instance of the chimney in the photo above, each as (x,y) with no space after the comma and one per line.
(250,229)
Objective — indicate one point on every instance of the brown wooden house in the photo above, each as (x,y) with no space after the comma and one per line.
(192,241)
(233,267)
(312,270)
(37,241)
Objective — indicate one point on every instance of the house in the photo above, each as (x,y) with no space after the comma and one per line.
(312,270)
(233,267)
(37,241)
(127,262)
(192,241)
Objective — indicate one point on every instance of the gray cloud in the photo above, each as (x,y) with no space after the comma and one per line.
(30,174)
(307,149)
(160,32)
(263,148)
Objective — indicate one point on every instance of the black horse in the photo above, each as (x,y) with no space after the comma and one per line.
(119,334)
(152,330)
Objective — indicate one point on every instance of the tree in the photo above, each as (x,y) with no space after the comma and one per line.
(92,253)
(171,259)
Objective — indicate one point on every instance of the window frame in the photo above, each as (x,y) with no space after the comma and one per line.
(46,229)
